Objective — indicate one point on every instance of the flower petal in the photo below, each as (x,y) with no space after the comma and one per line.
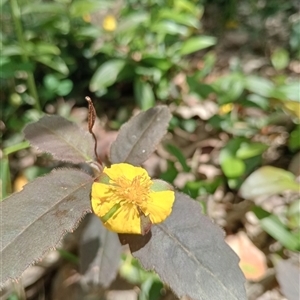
(125,170)
(159,206)
(125,220)
(101,195)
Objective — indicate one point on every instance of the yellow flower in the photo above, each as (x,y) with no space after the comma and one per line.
(125,198)
(226,108)
(109,23)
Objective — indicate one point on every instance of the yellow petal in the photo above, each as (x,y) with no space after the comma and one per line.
(159,206)
(109,23)
(125,220)
(101,199)
(125,170)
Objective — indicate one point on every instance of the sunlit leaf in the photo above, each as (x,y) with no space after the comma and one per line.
(230,87)
(139,137)
(168,27)
(56,63)
(79,8)
(275,228)
(100,252)
(196,44)
(48,8)
(268,180)
(61,138)
(280,58)
(179,17)
(41,48)
(259,85)
(106,74)
(289,91)
(190,255)
(64,87)
(11,50)
(34,220)
(143,94)
(132,22)
(233,167)
(251,149)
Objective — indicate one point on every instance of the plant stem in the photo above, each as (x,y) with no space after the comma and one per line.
(14,148)
(16,16)
(5,178)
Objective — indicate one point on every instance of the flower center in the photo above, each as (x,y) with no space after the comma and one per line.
(134,191)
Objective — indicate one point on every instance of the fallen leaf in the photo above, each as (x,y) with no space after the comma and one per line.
(252,260)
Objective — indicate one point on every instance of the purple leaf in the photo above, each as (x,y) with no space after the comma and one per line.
(61,138)
(288,275)
(189,254)
(35,219)
(100,252)
(139,137)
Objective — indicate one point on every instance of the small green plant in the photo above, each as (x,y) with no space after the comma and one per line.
(147,47)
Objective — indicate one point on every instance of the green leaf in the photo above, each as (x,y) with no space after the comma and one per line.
(275,228)
(250,149)
(170,174)
(42,48)
(106,75)
(80,7)
(11,50)
(42,7)
(179,17)
(34,220)
(268,180)
(233,167)
(178,154)
(293,215)
(289,91)
(64,87)
(196,44)
(280,58)
(259,85)
(143,94)
(56,63)
(169,27)
(132,22)
(230,87)
(294,139)
(51,82)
